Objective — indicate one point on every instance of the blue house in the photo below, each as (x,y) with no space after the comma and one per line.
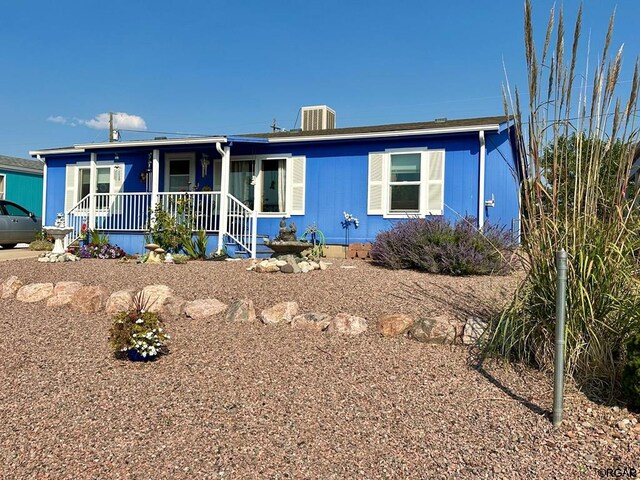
(238,187)
(21,182)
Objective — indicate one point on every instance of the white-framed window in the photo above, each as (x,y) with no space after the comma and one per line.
(3,186)
(272,185)
(406,182)
(109,180)
(179,172)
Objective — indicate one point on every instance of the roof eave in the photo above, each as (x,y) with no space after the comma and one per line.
(395,133)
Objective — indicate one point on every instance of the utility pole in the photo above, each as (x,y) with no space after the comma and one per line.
(110,126)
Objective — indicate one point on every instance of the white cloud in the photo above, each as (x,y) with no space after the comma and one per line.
(121,120)
(57,119)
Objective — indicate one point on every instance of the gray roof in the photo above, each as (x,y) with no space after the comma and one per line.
(20,165)
(396,127)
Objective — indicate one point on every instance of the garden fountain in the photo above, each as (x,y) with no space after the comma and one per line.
(286,242)
(58,232)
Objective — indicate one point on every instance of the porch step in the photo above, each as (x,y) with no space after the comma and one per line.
(237,251)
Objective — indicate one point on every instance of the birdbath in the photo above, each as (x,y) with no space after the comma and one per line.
(58,232)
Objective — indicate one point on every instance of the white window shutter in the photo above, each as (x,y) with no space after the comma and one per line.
(375,196)
(117,179)
(298,166)
(434,198)
(71,180)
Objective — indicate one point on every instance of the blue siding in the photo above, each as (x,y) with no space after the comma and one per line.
(336,181)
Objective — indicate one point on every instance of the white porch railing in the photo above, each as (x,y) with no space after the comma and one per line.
(131,212)
(242,225)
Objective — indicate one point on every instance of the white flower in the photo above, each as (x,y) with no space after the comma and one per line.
(139,320)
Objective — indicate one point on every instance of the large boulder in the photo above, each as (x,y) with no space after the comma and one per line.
(346,324)
(438,330)
(155,296)
(90,299)
(394,325)
(120,301)
(10,287)
(279,313)
(63,292)
(173,307)
(204,308)
(34,292)
(312,322)
(241,310)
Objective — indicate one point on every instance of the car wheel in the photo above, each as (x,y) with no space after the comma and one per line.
(6,246)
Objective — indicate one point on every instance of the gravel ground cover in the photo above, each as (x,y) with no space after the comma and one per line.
(255,401)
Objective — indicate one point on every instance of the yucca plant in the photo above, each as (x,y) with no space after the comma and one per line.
(576,146)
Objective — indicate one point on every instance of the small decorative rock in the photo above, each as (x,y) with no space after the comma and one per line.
(50,257)
(63,293)
(156,296)
(10,287)
(34,292)
(346,324)
(312,322)
(120,301)
(204,308)
(90,299)
(438,330)
(394,325)
(279,313)
(323,265)
(473,330)
(241,310)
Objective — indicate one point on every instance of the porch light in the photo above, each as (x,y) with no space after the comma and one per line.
(204,162)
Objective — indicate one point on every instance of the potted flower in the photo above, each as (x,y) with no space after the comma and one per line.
(138,333)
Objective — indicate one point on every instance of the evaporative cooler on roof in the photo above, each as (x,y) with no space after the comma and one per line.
(319,117)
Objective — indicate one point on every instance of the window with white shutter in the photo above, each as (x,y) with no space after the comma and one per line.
(406,182)
(110,178)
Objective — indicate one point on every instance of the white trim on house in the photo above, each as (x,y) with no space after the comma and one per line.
(394,133)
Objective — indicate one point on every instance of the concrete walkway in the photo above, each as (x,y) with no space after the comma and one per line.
(19,251)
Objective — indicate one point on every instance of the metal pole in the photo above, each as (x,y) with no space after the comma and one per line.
(561,300)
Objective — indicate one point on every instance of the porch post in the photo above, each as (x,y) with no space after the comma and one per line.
(155,181)
(224,192)
(93,187)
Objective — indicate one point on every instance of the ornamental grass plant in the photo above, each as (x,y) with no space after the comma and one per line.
(576,146)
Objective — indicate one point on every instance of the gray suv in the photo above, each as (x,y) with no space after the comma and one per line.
(17,225)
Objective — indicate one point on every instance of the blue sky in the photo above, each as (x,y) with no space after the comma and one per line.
(229,67)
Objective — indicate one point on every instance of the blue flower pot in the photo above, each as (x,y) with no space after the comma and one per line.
(134,356)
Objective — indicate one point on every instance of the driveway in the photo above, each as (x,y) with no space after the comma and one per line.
(20,251)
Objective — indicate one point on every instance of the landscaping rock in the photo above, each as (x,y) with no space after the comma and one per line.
(394,325)
(10,287)
(204,308)
(120,301)
(267,267)
(241,310)
(312,322)
(90,299)
(279,313)
(438,330)
(473,330)
(346,324)
(63,292)
(156,296)
(173,307)
(323,265)
(34,292)
(291,266)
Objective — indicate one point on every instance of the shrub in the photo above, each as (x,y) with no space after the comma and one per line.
(41,245)
(436,246)
(195,248)
(139,330)
(631,373)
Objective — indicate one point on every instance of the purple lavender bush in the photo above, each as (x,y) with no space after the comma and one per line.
(436,246)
